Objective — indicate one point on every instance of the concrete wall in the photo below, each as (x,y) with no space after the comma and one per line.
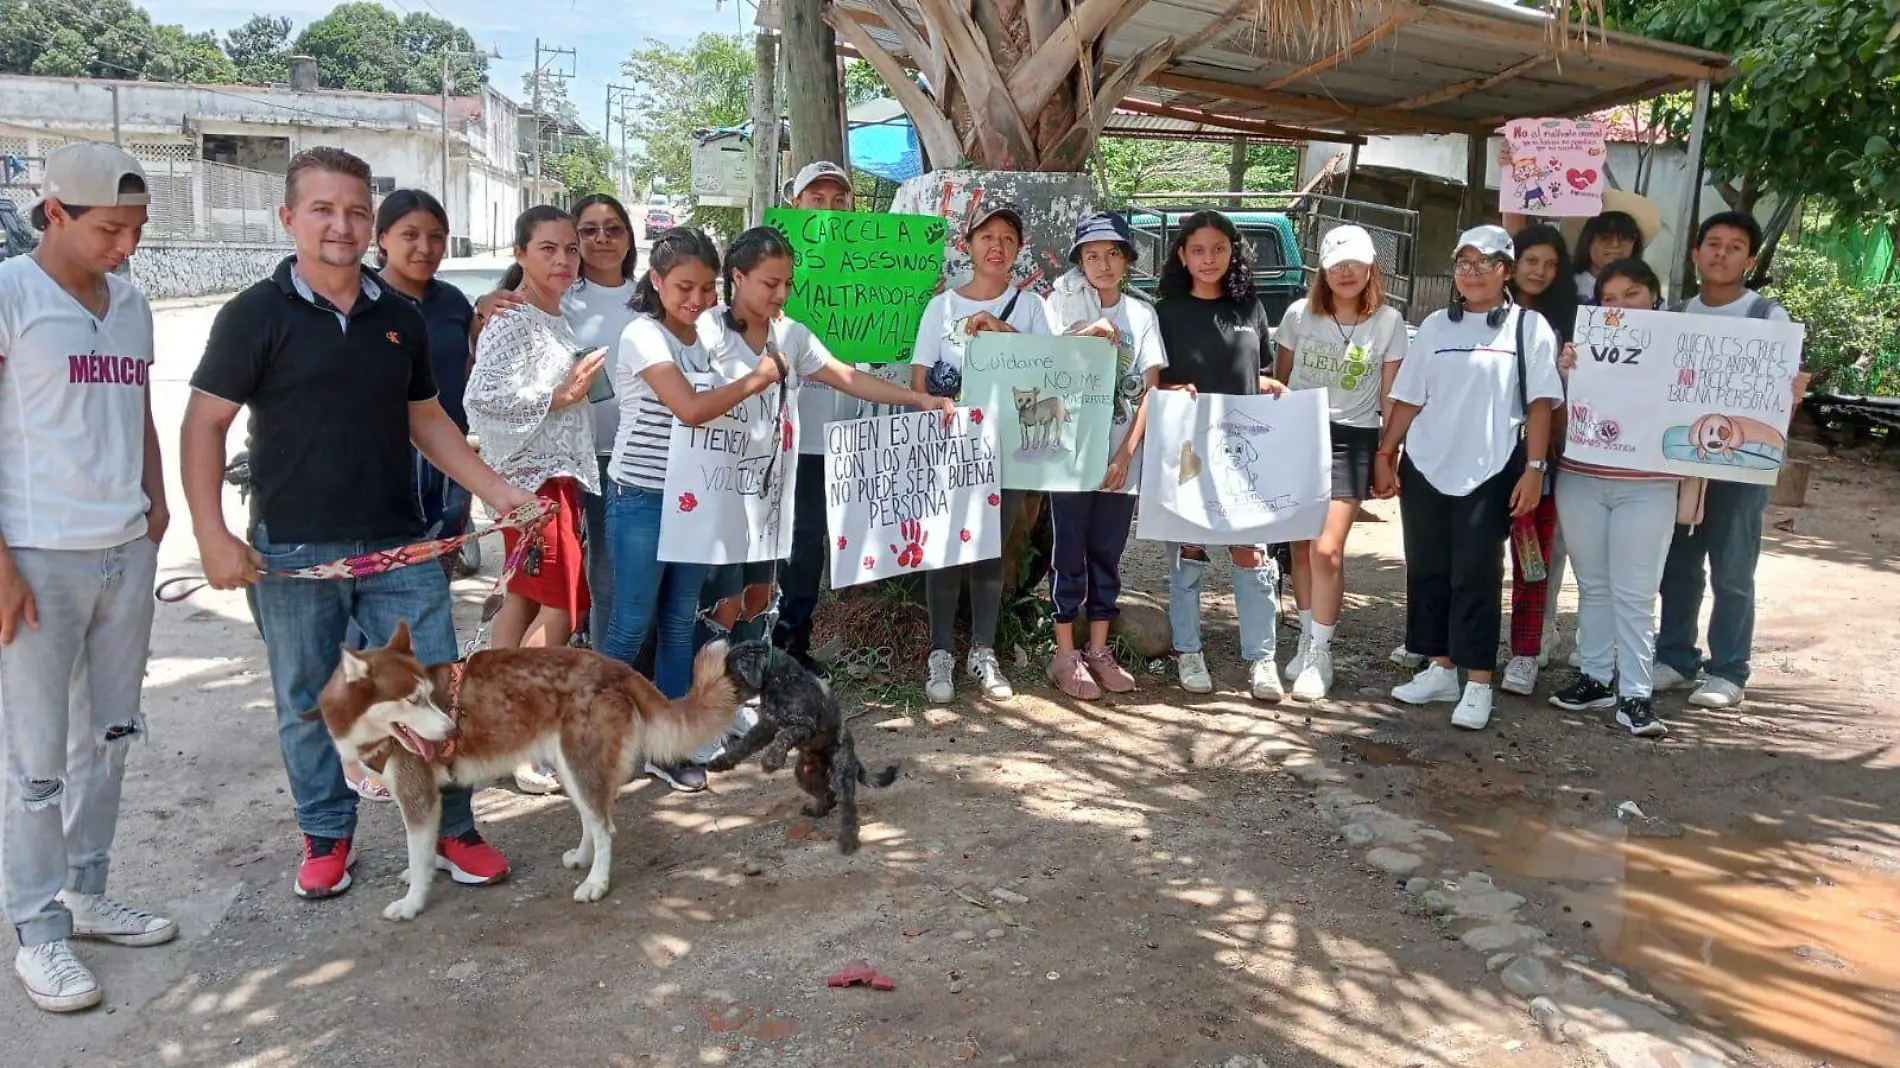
(193,269)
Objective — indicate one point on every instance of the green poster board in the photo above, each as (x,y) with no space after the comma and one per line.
(862,279)
(1051,398)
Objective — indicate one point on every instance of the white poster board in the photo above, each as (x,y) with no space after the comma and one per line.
(1222,470)
(907,493)
(1557,167)
(730,485)
(1708,396)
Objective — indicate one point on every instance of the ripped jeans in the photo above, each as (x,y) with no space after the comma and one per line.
(1254,599)
(69,708)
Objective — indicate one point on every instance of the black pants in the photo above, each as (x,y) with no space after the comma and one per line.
(1089,531)
(800,577)
(1454,565)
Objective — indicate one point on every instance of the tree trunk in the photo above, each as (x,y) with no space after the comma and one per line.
(1237,169)
(811,84)
(1771,239)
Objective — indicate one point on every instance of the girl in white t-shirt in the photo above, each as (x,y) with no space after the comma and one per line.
(738,335)
(1345,340)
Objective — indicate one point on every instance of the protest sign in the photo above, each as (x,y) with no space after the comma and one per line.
(1708,396)
(729,484)
(861,279)
(1224,470)
(1556,167)
(906,493)
(1051,398)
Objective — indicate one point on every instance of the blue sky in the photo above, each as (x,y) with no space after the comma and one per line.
(601,32)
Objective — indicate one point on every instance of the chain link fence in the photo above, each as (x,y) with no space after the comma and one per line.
(193,200)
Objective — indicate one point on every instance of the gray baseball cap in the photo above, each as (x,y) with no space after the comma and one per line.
(87,174)
(822,171)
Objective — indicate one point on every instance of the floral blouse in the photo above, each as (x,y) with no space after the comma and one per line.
(521,358)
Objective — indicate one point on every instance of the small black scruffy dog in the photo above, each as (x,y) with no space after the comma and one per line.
(796,711)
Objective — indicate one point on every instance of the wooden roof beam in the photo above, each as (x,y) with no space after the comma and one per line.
(1473,85)
(1359,44)
(1381,119)
(1490,123)
(1580,43)
(1236,123)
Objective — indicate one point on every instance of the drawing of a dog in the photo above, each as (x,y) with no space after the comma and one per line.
(592,717)
(1236,456)
(1725,435)
(1040,421)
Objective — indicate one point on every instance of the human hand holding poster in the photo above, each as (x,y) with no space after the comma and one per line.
(906,493)
(1555,167)
(1705,396)
(729,485)
(1051,399)
(1225,470)
(862,278)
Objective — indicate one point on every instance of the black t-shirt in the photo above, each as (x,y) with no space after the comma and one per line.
(329,431)
(1216,346)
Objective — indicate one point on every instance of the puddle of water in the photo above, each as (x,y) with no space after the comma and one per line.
(1382,754)
(1764,938)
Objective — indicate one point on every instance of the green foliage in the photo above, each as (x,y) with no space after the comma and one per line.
(364,46)
(679,90)
(177,56)
(103,39)
(261,49)
(582,164)
(1137,165)
(862,82)
(1853,332)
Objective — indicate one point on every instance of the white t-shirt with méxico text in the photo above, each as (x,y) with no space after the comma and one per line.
(1348,362)
(73,391)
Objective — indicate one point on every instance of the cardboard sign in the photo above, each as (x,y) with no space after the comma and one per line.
(1051,399)
(1226,470)
(1556,168)
(862,278)
(906,493)
(1708,396)
(730,484)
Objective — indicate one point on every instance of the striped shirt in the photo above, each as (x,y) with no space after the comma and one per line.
(646,424)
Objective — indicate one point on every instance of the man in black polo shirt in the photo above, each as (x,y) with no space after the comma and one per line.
(335,370)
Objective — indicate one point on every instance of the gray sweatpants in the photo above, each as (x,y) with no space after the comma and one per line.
(69,707)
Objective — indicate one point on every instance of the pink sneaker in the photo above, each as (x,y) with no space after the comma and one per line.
(1069,672)
(1113,677)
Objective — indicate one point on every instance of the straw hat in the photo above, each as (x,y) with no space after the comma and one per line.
(1647,215)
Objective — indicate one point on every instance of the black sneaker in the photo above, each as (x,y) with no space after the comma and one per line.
(686,777)
(1584,694)
(1636,715)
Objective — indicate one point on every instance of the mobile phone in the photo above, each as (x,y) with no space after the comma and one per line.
(602,387)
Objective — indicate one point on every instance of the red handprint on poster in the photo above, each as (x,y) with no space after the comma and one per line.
(911,531)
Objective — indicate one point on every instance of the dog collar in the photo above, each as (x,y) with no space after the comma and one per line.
(456,670)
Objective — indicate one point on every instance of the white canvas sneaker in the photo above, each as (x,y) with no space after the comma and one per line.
(98,916)
(1520,676)
(1316,678)
(1666,678)
(988,674)
(1717,692)
(1266,682)
(54,978)
(940,684)
(1474,708)
(1430,685)
(1192,667)
(1298,664)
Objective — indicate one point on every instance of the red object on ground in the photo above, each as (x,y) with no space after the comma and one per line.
(860,973)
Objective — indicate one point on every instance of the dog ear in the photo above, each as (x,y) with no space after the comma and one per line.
(752,669)
(399,642)
(355,665)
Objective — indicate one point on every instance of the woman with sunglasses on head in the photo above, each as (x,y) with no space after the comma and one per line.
(1343,338)
(1471,409)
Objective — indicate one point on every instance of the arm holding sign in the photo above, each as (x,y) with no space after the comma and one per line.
(876,390)
(698,409)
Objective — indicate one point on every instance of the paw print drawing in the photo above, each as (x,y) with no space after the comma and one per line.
(870,562)
(964,534)
(841,542)
(911,533)
(688,502)
(995,499)
(976,416)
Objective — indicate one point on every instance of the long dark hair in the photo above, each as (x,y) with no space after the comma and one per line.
(1175,280)
(1557,303)
(524,233)
(1608,224)
(1634,268)
(746,252)
(630,263)
(400,203)
(677,244)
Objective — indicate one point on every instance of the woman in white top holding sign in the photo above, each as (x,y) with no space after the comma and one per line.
(988,301)
(1343,338)
(1089,529)
(1471,405)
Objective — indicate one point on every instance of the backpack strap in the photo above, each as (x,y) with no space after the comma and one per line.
(1761,307)
(1676,305)
(1523,386)
(1010,308)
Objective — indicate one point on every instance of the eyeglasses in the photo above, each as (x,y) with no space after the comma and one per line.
(611,233)
(1347,267)
(1471,267)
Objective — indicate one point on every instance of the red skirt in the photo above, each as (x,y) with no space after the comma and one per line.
(561,581)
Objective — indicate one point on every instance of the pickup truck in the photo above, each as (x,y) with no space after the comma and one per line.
(1279,271)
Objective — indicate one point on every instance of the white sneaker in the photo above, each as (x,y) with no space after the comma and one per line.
(1432,684)
(1474,708)
(1192,667)
(1552,639)
(1520,676)
(1316,677)
(537,780)
(1716,692)
(1266,681)
(98,916)
(988,674)
(54,978)
(1575,659)
(940,681)
(1667,678)
(1298,664)
(1407,659)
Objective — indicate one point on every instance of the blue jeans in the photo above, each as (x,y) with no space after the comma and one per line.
(1254,601)
(446,508)
(600,557)
(647,593)
(1729,539)
(304,623)
(799,579)
(730,580)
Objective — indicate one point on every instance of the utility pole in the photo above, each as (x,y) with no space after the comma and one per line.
(449,54)
(765,127)
(539,120)
(812,97)
(620,93)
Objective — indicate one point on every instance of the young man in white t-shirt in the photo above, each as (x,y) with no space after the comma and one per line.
(82,508)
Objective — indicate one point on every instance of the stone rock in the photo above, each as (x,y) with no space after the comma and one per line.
(1471,896)
(1528,977)
(1550,1018)
(1358,835)
(1392,860)
(1651,827)
(463,972)
(1008,896)
(964,936)
(1498,961)
(1417,886)
(1145,628)
(1496,936)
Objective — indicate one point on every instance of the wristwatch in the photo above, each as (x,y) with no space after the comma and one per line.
(1537,465)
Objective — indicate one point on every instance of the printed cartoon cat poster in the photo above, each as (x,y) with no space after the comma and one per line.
(1556,167)
(1052,399)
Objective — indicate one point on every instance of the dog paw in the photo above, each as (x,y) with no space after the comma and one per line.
(402,909)
(576,858)
(772,763)
(847,843)
(591,890)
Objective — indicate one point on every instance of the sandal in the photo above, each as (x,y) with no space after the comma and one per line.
(370,787)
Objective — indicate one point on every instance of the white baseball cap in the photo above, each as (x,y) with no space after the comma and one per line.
(1346,244)
(1490,240)
(822,171)
(87,174)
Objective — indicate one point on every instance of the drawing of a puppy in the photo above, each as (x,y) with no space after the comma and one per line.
(1237,456)
(1724,435)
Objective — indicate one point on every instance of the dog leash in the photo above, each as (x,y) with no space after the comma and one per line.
(770,612)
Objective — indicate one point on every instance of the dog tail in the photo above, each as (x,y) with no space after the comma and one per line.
(881,779)
(675,729)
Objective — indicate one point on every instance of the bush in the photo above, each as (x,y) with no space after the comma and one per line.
(1853,339)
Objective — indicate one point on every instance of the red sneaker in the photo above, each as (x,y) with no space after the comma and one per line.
(470,860)
(326,867)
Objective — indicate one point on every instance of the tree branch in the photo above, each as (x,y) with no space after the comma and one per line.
(934,130)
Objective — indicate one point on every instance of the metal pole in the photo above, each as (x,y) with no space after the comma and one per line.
(1691,216)
(116,143)
(536,167)
(1352,168)
(765,128)
(445,127)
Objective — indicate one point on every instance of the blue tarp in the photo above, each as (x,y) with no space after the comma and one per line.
(887,149)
